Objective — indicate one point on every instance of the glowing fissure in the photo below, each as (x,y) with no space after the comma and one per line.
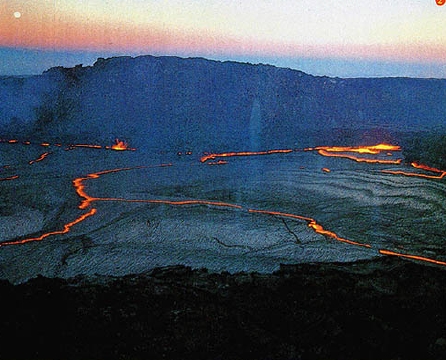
(442,173)
(371,149)
(40,158)
(173,202)
(88,146)
(118,145)
(78,183)
(207,157)
(87,199)
(80,190)
(312,223)
(359,159)
(412,257)
(9,178)
(66,229)
(79,186)
(346,153)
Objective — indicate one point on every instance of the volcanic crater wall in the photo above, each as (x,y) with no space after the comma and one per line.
(173,103)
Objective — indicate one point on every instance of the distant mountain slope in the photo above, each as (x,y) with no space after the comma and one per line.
(173,103)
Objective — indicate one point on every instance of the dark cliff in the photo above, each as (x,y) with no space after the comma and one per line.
(170,102)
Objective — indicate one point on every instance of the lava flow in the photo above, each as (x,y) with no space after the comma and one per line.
(419,166)
(312,223)
(40,158)
(413,257)
(87,199)
(343,152)
(346,153)
(118,145)
(66,229)
(207,157)
(370,149)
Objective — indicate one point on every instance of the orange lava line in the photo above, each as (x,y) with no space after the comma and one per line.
(370,149)
(66,228)
(419,166)
(427,168)
(207,157)
(358,159)
(89,146)
(79,186)
(118,145)
(405,173)
(10,178)
(40,158)
(312,224)
(173,202)
(413,257)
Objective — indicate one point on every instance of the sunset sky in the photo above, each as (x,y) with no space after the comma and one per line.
(331,37)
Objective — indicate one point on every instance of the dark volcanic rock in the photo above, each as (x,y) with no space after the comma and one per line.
(174,103)
(382,309)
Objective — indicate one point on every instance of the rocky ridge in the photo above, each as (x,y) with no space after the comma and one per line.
(377,309)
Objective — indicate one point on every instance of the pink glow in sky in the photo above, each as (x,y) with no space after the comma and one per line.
(384,30)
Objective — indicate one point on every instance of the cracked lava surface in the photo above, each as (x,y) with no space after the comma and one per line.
(376,154)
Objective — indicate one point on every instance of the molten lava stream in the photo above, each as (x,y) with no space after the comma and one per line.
(413,257)
(87,199)
(418,166)
(370,149)
(359,159)
(66,229)
(40,158)
(207,157)
(346,152)
(312,223)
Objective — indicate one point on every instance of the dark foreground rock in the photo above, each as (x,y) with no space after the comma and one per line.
(381,309)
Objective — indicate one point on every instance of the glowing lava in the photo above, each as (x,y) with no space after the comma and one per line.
(9,178)
(312,223)
(40,158)
(207,157)
(370,149)
(87,199)
(120,145)
(359,159)
(88,146)
(347,152)
(342,152)
(412,257)
(66,228)
(441,173)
